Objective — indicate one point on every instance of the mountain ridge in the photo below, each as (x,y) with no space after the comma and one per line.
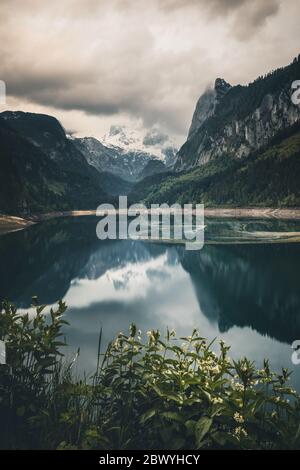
(243,120)
(127,153)
(43,172)
(243,149)
(125,165)
(269,178)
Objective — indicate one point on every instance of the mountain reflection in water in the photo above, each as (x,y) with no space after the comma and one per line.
(247,294)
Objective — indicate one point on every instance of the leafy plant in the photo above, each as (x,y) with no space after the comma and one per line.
(148,392)
(33,351)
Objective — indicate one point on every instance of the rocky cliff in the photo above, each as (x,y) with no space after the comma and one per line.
(207,103)
(236,121)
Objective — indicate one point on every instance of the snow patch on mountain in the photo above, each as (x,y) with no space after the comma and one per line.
(153,142)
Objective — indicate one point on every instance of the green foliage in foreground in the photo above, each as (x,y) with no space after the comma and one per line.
(156,393)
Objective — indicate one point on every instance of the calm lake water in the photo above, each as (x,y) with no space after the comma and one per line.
(245,293)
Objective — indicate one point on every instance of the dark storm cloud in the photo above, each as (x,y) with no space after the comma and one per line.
(245,26)
(248,15)
(145,59)
(220,5)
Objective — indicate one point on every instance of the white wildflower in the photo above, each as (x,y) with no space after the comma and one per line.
(237,386)
(238,418)
(240,432)
(216,400)
(216,369)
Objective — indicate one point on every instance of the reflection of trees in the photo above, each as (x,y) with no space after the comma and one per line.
(45,258)
(42,260)
(243,285)
(248,285)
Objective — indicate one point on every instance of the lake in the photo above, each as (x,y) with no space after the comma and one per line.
(243,286)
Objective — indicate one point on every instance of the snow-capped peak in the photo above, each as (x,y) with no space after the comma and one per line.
(152,142)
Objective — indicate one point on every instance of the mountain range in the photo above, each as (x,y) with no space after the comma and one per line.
(43,169)
(126,153)
(242,149)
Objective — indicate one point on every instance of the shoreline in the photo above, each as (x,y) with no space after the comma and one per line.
(10,223)
(230,212)
(254,212)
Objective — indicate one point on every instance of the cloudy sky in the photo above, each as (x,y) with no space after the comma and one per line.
(140,63)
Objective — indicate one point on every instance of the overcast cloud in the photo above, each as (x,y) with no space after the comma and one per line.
(94,63)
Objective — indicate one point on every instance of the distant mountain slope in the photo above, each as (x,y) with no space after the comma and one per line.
(125,154)
(153,167)
(47,134)
(269,177)
(234,122)
(113,185)
(22,170)
(41,170)
(125,165)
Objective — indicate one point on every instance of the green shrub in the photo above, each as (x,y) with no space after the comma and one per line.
(147,393)
(32,350)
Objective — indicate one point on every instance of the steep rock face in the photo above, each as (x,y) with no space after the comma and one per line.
(268,178)
(206,104)
(240,120)
(170,154)
(97,154)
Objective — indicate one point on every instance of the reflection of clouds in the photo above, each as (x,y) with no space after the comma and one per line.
(176,308)
(156,293)
(169,303)
(146,284)
(121,284)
